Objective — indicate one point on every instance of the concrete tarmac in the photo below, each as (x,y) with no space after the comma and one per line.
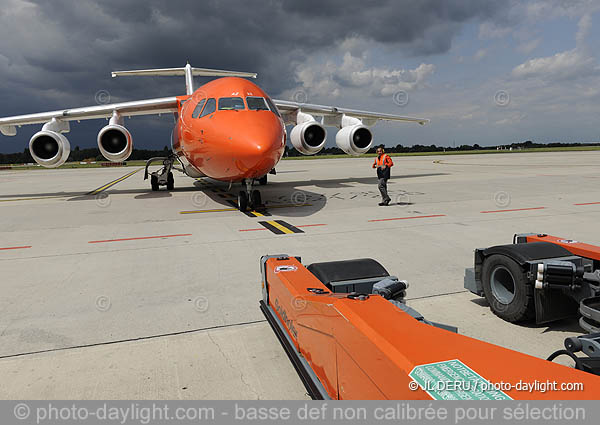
(110,290)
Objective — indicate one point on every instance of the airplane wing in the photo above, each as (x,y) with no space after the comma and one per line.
(8,125)
(331,113)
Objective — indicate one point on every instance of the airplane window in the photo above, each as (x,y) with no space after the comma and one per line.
(231,103)
(256,103)
(198,108)
(273,107)
(211,106)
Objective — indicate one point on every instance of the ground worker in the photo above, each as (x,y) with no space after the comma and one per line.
(383,163)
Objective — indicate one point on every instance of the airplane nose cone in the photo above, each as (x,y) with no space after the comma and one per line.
(259,154)
(241,145)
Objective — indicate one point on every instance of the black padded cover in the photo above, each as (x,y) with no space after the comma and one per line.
(336,271)
(524,252)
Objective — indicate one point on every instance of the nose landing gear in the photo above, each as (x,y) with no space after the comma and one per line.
(249,198)
(163,177)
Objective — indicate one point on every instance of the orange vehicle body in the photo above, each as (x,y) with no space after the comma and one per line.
(575,247)
(228,145)
(366,349)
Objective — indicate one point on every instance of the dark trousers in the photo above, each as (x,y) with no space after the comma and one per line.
(383,189)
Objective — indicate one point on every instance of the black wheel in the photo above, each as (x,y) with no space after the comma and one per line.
(263,180)
(170,181)
(242,201)
(256,199)
(154,182)
(507,289)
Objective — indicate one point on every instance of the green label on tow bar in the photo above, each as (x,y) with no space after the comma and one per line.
(454,380)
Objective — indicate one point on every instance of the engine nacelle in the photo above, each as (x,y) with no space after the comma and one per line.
(115,142)
(354,140)
(49,148)
(308,137)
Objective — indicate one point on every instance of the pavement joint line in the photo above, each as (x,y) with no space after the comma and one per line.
(15,247)
(512,210)
(112,183)
(142,338)
(407,218)
(141,238)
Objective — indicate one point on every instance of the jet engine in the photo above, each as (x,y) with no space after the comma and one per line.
(49,147)
(354,139)
(115,141)
(308,136)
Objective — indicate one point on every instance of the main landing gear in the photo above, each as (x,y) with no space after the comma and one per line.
(164,176)
(249,198)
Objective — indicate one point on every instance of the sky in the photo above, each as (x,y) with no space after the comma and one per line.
(485,72)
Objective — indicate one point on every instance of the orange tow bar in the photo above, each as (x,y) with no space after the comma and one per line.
(363,346)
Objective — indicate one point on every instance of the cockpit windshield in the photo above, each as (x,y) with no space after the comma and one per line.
(256,103)
(231,104)
(273,107)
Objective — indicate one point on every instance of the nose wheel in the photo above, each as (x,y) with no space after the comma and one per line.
(162,177)
(255,199)
(249,198)
(243,201)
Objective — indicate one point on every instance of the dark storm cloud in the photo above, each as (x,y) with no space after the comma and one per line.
(66,49)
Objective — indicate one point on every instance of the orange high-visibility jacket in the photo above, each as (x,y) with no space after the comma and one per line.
(385,159)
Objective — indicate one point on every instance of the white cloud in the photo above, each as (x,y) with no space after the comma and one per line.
(570,64)
(330,78)
(583,28)
(548,9)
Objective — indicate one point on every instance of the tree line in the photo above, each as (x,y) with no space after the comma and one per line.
(79,155)
(93,154)
(291,152)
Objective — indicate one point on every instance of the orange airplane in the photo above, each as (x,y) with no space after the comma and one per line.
(228,129)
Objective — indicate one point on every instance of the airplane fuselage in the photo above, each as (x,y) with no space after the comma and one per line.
(231,136)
